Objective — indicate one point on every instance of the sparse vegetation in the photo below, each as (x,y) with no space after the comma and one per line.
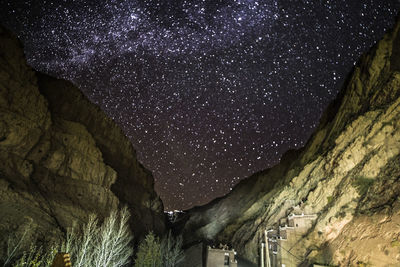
(36,257)
(18,254)
(171,250)
(330,199)
(155,253)
(92,244)
(395,243)
(149,254)
(362,184)
(106,244)
(340,214)
(14,243)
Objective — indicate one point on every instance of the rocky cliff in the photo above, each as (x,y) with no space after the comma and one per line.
(61,157)
(348,175)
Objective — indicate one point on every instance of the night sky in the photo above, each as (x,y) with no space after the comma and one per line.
(208,91)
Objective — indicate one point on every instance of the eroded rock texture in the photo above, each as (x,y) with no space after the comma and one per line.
(61,157)
(348,174)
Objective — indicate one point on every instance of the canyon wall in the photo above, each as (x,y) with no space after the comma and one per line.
(348,175)
(61,157)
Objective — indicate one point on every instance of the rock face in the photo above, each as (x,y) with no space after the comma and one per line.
(348,174)
(61,157)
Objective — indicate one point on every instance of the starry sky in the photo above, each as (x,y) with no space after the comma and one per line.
(208,91)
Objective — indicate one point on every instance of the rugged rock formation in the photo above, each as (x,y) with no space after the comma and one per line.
(61,157)
(348,174)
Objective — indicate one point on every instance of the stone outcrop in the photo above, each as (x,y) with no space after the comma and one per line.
(348,174)
(61,157)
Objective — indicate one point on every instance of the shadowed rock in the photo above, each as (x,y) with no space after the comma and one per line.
(61,157)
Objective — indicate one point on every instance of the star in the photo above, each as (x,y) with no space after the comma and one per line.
(208,91)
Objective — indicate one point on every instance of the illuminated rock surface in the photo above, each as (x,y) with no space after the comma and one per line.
(348,174)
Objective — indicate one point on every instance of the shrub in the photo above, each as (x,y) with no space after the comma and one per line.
(171,250)
(36,257)
(95,244)
(395,243)
(19,253)
(14,243)
(362,184)
(106,245)
(149,253)
(155,253)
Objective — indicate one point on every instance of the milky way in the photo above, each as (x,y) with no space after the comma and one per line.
(209,91)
